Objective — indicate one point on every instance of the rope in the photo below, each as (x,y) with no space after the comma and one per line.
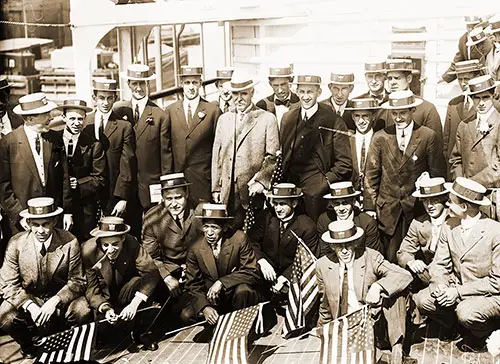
(36,24)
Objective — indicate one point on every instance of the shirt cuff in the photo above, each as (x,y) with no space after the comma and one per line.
(102,306)
(26,304)
(142,296)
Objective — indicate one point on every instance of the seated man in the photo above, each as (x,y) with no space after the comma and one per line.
(419,245)
(351,276)
(42,278)
(273,235)
(342,206)
(464,275)
(120,275)
(221,268)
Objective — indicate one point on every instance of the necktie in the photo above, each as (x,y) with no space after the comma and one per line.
(282,229)
(101,126)
(136,113)
(226,106)
(178,222)
(285,103)
(363,155)
(345,293)
(37,144)
(305,118)
(43,250)
(113,287)
(216,250)
(190,115)
(402,144)
(70,148)
(338,113)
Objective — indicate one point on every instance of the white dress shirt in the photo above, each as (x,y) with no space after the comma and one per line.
(216,248)
(367,138)
(467,224)
(352,300)
(408,131)
(281,109)
(194,105)
(5,125)
(436,225)
(97,121)
(482,119)
(339,108)
(309,112)
(142,105)
(32,135)
(67,136)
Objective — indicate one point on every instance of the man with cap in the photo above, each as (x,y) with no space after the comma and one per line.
(244,150)
(351,276)
(225,100)
(280,78)
(274,235)
(400,74)
(486,49)
(221,268)
(192,123)
(152,133)
(341,86)
(42,278)
(397,157)
(118,141)
(342,206)
(464,275)
(41,152)
(86,167)
(419,244)
(375,76)
(492,60)
(120,275)
(315,146)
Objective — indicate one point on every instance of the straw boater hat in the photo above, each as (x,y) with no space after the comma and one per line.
(214,211)
(468,190)
(110,226)
(40,208)
(138,72)
(4,83)
(224,73)
(341,79)
(430,187)
(74,104)
(476,36)
(401,100)
(472,19)
(342,231)
(472,65)
(482,83)
(367,103)
(494,26)
(284,190)
(341,190)
(285,71)
(240,80)
(400,64)
(34,104)
(104,84)
(191,71)
(376,67)
(307,80)
(173,180)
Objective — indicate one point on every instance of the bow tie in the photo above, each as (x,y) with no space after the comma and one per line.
(378,97)
(285,103)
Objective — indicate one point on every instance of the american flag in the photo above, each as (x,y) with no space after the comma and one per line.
(277,176)
(68,346)
(349,339)
(229,343)
(249,216)
(303,291)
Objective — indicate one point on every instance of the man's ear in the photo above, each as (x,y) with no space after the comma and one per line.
(295,203)
(319,90)
(351,87)
(409,77)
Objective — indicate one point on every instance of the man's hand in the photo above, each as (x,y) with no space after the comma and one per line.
(73,183)
(67,221)
(173,285)
(119,208)
(417,266)
(111,316)
(47,310)
(216,196)
(128,313)
(213,292)
(211,315)
(280,282)
(372,214)
(255,188)
(373,296)
(448,297)
(267,270)
(34,311)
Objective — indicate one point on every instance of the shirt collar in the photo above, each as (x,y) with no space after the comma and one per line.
(368,135)
(439,220)
(247,110)
(338,107)
(104,116)
(469,222)
(485,117)
(194,103)
(408,128)
(142,103)
(286,220)
(286,98)
(46,243)
(67,135)
(30,133)
(309,112)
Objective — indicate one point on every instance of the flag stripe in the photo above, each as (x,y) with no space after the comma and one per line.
(60,355)
(69,352)
(90,339)
(78,352)
(43,357)
(220,324)
(345,353)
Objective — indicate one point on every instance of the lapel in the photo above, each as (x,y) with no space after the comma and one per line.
(28,259)
(354,153)
(359,276)
(172,225)
(412,146)
(81,149)
(333,282)
(181,116)
(201,109)
(249,122)
(187,223)
(472,131)
(287,238)
(226,251)
(56,255)
(457,239)
(392,144)
(111,126)
(142,124)
(25,151)
(47,155)
(208,259)
(475,237)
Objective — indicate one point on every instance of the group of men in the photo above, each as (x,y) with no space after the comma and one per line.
(360,182)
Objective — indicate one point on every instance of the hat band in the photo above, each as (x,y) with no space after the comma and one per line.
(467,193)
(31,105)
(241,84)
(138,74)
(402,101)
(339,192)
(104,226)
(365,104)
(76,103)
(214,214)
(105,86)
(224,75)
(476,87)
(467,69)
(41,210)
(477,37)
(171,183)
(280,72)
(399,66)
(428,190)
(342,78)
(284,191)
(309,79)
(379,67)
(345,234)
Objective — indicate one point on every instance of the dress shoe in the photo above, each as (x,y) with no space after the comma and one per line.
(28,352)
(472,345)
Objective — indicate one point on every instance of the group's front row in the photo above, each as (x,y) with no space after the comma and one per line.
(449,266)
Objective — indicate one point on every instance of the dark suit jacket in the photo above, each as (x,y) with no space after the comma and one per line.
(279,251)
(236,265)
(153,145)
(369,267)
(371,239)
(268,104)
(165,241)
(15,120)
(390,176)
(19,179)
(346,116)
(118,143)
(133,261)
(20,278)
(334,154)
(192,146)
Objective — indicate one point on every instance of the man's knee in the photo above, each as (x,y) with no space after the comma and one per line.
(469,315)
(78,311)
(188,315)
(244,296)
(8,314)
(424,301)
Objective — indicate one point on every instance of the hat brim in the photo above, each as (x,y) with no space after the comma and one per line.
(495,84)
(25,214)
(84,108)
(96,233)
(340,83)
(375,71)
(327,239)
(280,76)
(176,186)
(270,196)
(402,70)
(195,74)
(40,110)
(107,89)
(214,217)
(474,42)
(387,106)
(227,86)
(362,108)
(484,202)
(127,77)
(329,196)
(417,194)
(307,83)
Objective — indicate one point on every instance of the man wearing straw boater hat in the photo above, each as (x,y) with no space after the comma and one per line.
(221,268)
(86,167)
(225,100)
(41,154)
(398,155)
(192,127)
(352,276)
(117,139)
(280,78)
(152,134)
(315,146)
(244,150)
(480,39)
(121,276)
(375,76)
(42,276)
(464,275)
(342,206)
(400,74)
(492,60)
(341,86)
